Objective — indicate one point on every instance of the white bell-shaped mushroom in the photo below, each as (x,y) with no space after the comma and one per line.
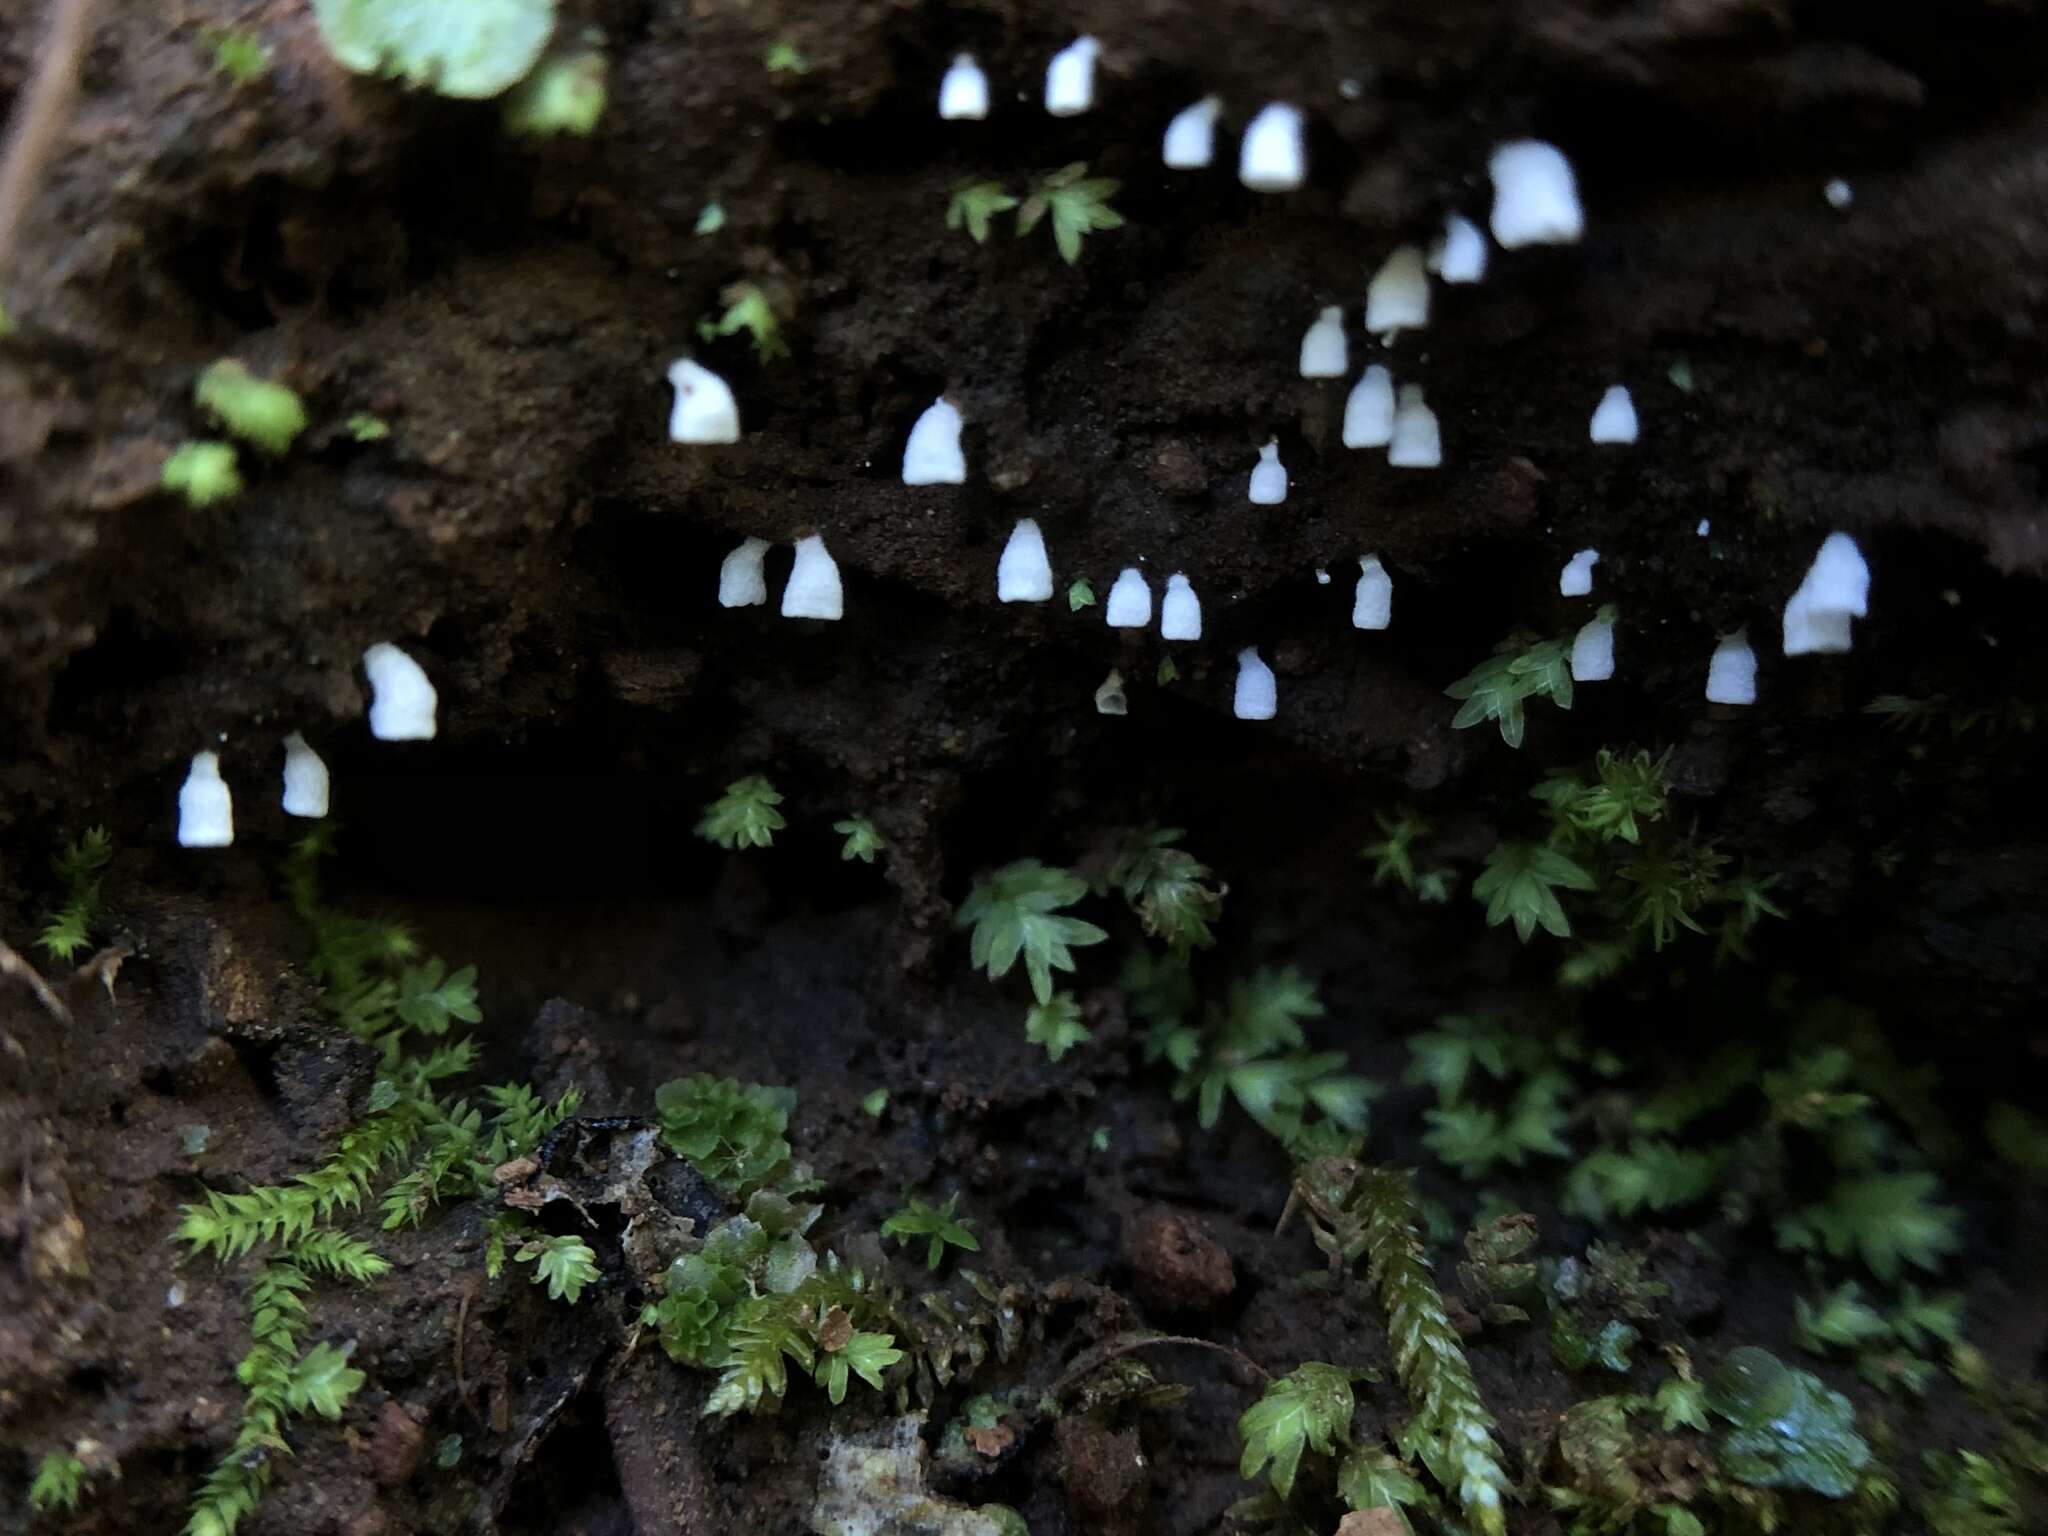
(1593,652)
(1272,157)
(1024,573)
(1614,418)
(932,456)
(705,411)
(1324,354)
(812,591)
(1731,674)
(1372,605)
(1535,196)
(1130,601)
(1576,579)
(1460,256)
(1269,477)
(1180,611)
(305,779)
(1190,143)
(1070,78)
(1397,299)
(1417,443)
(206,811)
(1257,695)
(1369,412)
(402,701)
(741,580)
(1835,591)
(963,93)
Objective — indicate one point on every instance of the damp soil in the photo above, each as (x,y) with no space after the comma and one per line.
(530,535)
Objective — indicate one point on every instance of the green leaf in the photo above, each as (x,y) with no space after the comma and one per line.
(863,842)
(1841,1319)
(1173,894)
(1444,1057)
(937,1223)
(1309,1408)
(1497,688)
(564,1264)
(323,1381)
(429,996)
(744,816)
(1372,1478)
(202,472)
(974,204)
(1887,1220)
(463,48)
(1519,885)
(1056,1025)
(564,94)
(1077,203)
(59,1480)
(747,309)
(865,1355)
(1393,857)
(1651,1175)
(256,410)
(1080,595)
(1016,911)
(1681,1400)
(732,1132)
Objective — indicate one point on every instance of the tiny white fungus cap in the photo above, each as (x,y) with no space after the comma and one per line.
(963,93)
(206,811)
(1706,527)
(1372,604)
(1576,579)
(1397,299)
(932,455)
(1130,601)
(1836,590)
(1180,611)
(1839,194)
(305,779)
(1269,477)
(1614,418)
(741,580)
(1322,577)
(402,701)
(1324,354)
(1535,196)
(1024,573)
(1460,256)
(1417,443)
(1369,411)
(705,411)
(1070,78)
(1190,143)
(812,591)
(1731,674)
(1272,156)
(1256,696)
(1593,652)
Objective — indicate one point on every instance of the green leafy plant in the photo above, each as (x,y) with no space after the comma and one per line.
(863,842)
(1885,1219)
(202,472)
(1078,203)
(1971,1494)
(710,218)
(1175,896)
(1016,911)
(564,1264)
(1474,1139)
(974,205)
(1497,1277)
(1056,1025)
(785,58)
(936,1222)
(1393,856)
(1499,687)
(745,816)
(1649,1174)
(747,308)
(366,428)
(240,55)
(462,48)
(1841,1319)
(1309,1408)
(1080,595)
(564,94)
(253,409)
(58,1483)
(866,1355)
(1627,791)
(732,1132)
(1254,1051)
(1786,1428)
(1520,885)
(78,869)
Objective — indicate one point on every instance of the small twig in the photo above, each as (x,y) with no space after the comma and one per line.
(11,964)
(44,105)
(461,1330)
(1095,1359)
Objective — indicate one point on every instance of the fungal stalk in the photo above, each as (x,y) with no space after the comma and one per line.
(1835,591)
(812,591)
(1460,256)
(1731,674)
(1324,354)
(932,456)
(1372,604)
(206,811)
(1024,573)
(1180,612)
(1397,299)
(1070,78)
(705,411)
(1576,579)
(1256,696)
(1190,143)
(1369,412)
(963,93)
(402,702)
(1269,477)
(1416,443)
(1535,196)
(1272,156)
(742,581)
(1130,601)
(305,779)
(1614,418)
